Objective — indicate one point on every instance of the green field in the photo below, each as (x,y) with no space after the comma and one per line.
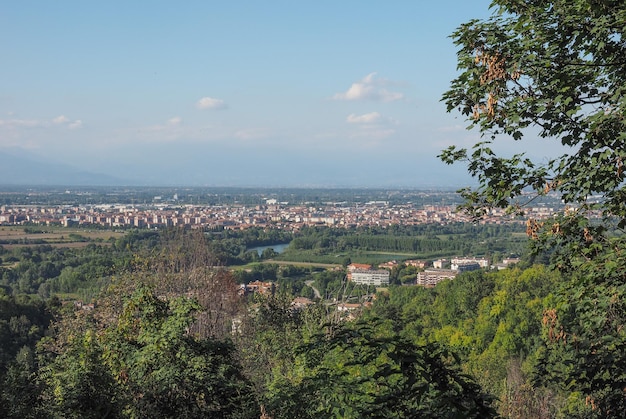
(18,236)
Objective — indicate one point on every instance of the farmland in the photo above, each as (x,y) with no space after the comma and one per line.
(19,236)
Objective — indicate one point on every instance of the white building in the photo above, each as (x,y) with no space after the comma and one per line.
(456,262)
(510,261)
(370,277)
(440,263)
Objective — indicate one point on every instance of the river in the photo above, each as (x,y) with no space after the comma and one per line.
(278,248)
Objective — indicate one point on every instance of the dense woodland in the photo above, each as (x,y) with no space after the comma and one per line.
(170,337)
(81,272)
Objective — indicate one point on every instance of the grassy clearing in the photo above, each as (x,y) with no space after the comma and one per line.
(287,262)
(16,236)
(313,264)
(63,244)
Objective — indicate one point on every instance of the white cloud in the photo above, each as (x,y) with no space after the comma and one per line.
(75,125)
(211,103)
(17,123)
(371,126)
(175,121)
(369,88)
(65,121)
(368,118)
(252,134)
(61,119)
(171,126)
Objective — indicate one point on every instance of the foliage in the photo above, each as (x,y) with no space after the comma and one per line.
(23,321)
(558,68)
(146,363)
(323,244)
(491,320)
(268,336)
(79,384)
(585,337)
(19,389)
(47,270)
(158,342)
(356,371)
(230,247)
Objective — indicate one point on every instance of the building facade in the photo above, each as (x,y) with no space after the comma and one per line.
(370,277)
(431,277)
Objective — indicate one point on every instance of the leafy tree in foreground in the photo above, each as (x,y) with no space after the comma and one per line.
(361,371)
(19,397)
(559,68)
(145,363)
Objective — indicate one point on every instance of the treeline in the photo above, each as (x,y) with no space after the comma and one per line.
(46,270)
(169,336)
(401,244)
(427,240)
(321,244)
(82,271)
(24,321)
(493,322)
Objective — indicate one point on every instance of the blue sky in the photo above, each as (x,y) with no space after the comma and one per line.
(226,93)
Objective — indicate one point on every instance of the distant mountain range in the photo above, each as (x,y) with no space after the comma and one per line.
(217,167)
(19,168)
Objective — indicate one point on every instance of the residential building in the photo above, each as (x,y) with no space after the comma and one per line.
(370,277)
(456,262)
(441,263)
(431,277)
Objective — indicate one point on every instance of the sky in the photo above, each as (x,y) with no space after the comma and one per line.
(236,93)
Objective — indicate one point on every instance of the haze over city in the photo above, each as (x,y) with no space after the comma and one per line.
(233,93)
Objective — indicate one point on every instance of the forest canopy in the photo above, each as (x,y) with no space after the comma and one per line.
(558,69)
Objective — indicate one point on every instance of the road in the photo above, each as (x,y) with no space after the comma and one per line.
(309,283)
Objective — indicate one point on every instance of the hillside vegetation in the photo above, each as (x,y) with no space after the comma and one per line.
(170,336)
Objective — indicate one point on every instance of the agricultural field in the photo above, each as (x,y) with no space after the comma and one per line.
(19,236)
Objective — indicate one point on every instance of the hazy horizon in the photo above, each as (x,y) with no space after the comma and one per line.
(236,93)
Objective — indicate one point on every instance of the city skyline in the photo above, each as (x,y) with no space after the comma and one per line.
(340,94)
